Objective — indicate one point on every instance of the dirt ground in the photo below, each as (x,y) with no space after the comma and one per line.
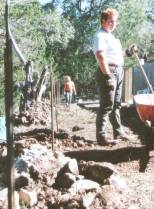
(133,159)
(139,173)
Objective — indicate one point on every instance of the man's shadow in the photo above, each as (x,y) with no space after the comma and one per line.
(131,119)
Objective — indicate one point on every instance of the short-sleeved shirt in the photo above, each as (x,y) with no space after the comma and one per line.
(106,42)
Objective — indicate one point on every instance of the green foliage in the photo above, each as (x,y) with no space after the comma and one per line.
(134,27)
(63,37)
(39,33)
(132,19)
(25,23)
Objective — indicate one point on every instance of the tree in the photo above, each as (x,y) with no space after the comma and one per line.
(38,32)
(78,61)
(62,35)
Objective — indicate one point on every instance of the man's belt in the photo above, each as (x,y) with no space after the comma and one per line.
(113,65)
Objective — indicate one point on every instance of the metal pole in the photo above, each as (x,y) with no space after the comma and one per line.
(9,112)
(52,111)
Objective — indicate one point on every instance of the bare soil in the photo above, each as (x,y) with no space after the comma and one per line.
(139,173)
(133,159)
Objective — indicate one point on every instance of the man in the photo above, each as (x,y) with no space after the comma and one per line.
(109,55)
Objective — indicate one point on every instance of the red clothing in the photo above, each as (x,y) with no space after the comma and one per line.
(69,86)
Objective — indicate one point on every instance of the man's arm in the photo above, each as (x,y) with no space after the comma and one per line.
(102,62)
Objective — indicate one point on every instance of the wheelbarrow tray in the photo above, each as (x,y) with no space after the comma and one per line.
(145,106)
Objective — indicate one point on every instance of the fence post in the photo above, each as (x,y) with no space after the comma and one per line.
(58,91)
(128,85)
(52,107)
(9,112)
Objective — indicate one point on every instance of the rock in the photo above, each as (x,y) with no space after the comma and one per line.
(77,138)
(21,165)
(87,199)
(81,143)
(29,198)
(96,171)
(61,159)
(118,182)
(67,174)
(62,134)
(65,180)
(84,185)
(71,167)
(114,198)
(73,204)
(4,152)
(65,201)
(19,148)
(21,181)
(24,120)
(65,197)
(79,177)
(34,173)
(134,207)
(76,128)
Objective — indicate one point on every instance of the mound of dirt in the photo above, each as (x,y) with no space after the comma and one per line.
(41,161)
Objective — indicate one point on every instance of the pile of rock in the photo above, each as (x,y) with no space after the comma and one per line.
(47,179)
(38,113)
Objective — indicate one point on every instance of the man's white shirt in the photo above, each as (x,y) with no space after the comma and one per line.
(106,42)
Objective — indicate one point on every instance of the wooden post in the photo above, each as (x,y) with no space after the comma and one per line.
(58,91)
(128,85)
(52,106)
(9,112)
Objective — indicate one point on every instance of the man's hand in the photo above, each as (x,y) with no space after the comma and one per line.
(131,50)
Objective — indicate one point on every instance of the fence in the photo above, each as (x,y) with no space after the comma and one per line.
(138,81)
(134,81)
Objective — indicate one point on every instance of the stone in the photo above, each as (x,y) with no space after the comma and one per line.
(88,199)
(65,180)
(118,182)
(72,167)
(21,181)
(96,171)
(84,185)
(134,207)
(28,197)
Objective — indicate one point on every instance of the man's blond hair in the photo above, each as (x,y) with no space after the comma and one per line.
(67,78)
(107,13)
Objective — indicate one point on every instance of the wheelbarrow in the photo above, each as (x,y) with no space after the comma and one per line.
(145,102)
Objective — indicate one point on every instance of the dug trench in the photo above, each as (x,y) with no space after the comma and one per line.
(144,136)
(76,173)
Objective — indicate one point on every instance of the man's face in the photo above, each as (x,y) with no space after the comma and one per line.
(110,24)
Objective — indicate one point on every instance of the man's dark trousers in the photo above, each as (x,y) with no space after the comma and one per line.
(110,92)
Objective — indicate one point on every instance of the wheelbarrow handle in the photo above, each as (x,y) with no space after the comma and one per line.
(144,74)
